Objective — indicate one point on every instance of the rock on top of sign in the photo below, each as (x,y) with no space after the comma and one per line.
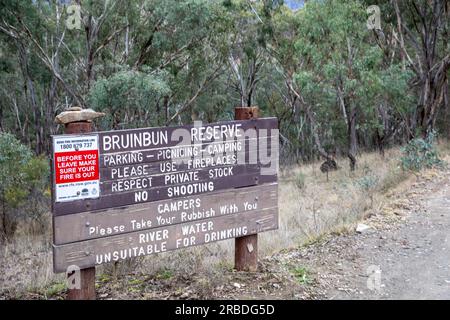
(75,114)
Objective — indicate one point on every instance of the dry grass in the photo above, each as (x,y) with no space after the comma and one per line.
(321,206)
(310,206)
(26,265)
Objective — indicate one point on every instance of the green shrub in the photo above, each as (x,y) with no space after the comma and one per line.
(300,180)
(302,275)
(23,179)
(368,183)
(420,153)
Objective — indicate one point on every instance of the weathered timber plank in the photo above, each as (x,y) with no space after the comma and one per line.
(161,193)
(170,178)
(98,224)
(177,134)
(241,147)
(97,251)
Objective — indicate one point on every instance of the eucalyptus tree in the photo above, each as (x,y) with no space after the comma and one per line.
(171,55)
(56,62)
(297,107)
(423,33)
(246,42)
(336,72)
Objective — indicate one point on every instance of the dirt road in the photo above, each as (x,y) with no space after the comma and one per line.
(405,254)
(405,258)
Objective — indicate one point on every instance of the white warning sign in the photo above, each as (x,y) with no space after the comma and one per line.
(76,167)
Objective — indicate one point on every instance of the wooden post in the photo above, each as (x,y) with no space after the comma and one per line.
(87,276)
(79,120)
(246,248)
(87,286)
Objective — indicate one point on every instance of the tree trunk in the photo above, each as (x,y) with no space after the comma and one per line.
(382,137)
(3,233)
(352,139)
(1,117)
(380,140)
(317,141)
(431,64)
(432,98)
(31,95)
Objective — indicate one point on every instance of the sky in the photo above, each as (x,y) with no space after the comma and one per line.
(294,4)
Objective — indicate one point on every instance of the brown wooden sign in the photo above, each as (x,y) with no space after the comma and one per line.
(136,244)
(104,223)
(113,188)
(175,162)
